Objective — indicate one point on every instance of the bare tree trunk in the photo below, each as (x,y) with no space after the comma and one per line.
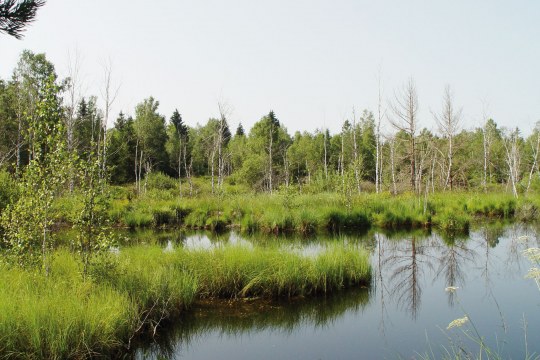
(19,143)
(433,173)
(220,143)
(405,108)
(356,174)
(342,159)
(147,171)
(512,158)
(286,165)
(180,166)
(449,123)
(187,170)
(212,166)
(73,93)
(270,162)
(137,180)
(140,169)
(378,155)
(189,177)
(535,159)
(392,164)
(109,98)
(487,144)
(19,124)
(325,157)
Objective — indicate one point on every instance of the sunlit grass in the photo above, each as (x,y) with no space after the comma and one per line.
(64,315)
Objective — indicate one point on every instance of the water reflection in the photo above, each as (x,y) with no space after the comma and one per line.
(452,255)
(407,297)
(407,260)
(241,318)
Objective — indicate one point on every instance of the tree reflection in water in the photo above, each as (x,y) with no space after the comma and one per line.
(452,253)
(237,318)
(403,264)
(407,260)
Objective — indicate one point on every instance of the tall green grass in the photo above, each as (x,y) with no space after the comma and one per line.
(290,212)
(67,316)
(60,316)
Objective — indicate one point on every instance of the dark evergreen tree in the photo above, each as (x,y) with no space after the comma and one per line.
(15,15)
(87,126)
(121,154)
(240,130)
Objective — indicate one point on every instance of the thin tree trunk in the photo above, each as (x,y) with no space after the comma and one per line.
(392,164)
(286,165)
(212,166)
(356,174)
(325,158)
(136,166)
(535,161)
(378,142)
(270,165)
(342,159)
(486,154)
(180,168)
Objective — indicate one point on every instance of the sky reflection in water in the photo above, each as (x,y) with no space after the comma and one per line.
(405,312)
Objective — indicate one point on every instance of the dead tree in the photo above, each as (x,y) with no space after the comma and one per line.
(535,149)
(73,93)
(109,96)
(224,112)
(511,147)
(355,148)
(449,122)
(378,156)
(405,109)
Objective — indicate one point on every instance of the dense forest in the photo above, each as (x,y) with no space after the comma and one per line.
(359,158)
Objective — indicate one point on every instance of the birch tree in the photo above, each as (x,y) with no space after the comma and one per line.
(535,146)
(511,147)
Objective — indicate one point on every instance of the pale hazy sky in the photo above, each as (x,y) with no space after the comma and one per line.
(309,61)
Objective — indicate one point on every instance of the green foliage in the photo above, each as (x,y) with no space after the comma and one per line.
(60,316)
(27,222)
(121,150)
(8,190)
(93,237)
(65,315)
(151,134)
(160,181)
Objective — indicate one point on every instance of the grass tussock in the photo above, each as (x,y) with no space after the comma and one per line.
(60,316)
(64,315)
(290,212)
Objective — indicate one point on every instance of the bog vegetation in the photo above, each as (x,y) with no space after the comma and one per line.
(60,165)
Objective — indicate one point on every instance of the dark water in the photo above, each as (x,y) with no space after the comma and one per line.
(404,314)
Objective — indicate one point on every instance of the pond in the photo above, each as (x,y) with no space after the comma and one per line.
(404,314)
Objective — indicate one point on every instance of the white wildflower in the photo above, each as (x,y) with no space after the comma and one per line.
(533,254)
(458,322)
(534,273)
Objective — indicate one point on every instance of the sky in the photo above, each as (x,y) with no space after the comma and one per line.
(311,62)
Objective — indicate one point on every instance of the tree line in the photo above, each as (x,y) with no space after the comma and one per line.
(356,159)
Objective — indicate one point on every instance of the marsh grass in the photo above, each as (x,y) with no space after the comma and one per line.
(60,316)
(291,212)
(64,315)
